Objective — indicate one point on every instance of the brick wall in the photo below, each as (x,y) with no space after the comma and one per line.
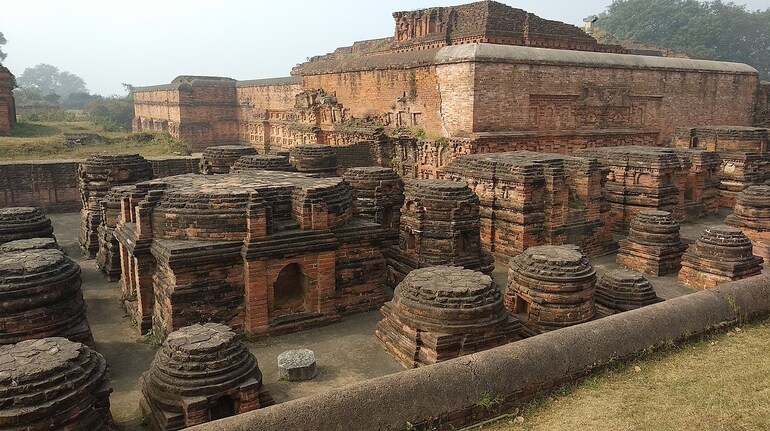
(53,186)
(7,105)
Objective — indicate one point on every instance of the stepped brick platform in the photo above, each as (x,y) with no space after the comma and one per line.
(701,195)
(53,384)
(220,159)
(553,286)
(314,159)
(40,297)
(96,176)
(264,252)
(752,216)
(529,199)
(378,195)
(722,254)
(641,178)
(23,223)
(267,162)
(620,290)
(654,245)
(439,226)
(29,244)
(442,312)
(108,255)
(202,373)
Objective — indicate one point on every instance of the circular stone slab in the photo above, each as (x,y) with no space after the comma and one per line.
(297,365)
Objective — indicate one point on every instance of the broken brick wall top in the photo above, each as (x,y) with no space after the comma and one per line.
(7,105)
(723,139)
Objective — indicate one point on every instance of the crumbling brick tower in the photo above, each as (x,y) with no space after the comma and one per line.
(7,103)
(96,176)
(752,217)
(529,199)
(220,159)
(439,226)
(442,312)
(378,195)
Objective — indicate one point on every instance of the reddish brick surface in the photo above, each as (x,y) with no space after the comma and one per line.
(7,105)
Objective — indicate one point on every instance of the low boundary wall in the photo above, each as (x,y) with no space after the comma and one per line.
(52,186)
(446,395)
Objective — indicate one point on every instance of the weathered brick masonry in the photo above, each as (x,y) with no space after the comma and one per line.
(7,105)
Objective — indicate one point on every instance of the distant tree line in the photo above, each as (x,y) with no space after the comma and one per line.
(700,29)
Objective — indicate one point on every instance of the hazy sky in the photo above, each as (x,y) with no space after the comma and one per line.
(148,42)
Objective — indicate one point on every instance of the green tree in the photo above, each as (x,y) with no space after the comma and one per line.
(3,41)
(47,79)
(701,29)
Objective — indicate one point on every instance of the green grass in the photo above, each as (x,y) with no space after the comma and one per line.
(45,141)
(719,383)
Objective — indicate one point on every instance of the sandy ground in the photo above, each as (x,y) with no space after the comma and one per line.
(346,352)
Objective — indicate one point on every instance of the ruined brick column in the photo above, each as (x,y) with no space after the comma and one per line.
(23,223)
(314,159)
(378,194)
(440,225)
(220,159)
(621,290)
(108,255)
(96,176)
(722,254)
(443,312)
(267,162)
(202,373)
(40,297)
(653,245)
(553,286)
(53,384)
(752,217)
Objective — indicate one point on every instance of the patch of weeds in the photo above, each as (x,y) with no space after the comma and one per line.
(152,339)
(487,401)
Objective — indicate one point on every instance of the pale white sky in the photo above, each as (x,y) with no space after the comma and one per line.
(148,42)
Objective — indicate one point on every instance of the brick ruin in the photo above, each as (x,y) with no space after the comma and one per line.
(41,296)
(722,254)
(653,245)
(378,194)
(529,199)
(743,152)
(443,312)
(439,225)
(551,287)
(29,244)
(681,182)
(751,215)
(261,251)
(7,102)
(319,160)
(23,223)
(620,290)
(53,383)
(440,87)
(96,176)
(201,373)
(220,159)
(268,162)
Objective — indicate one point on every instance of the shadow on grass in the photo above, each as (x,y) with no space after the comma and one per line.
(33,130)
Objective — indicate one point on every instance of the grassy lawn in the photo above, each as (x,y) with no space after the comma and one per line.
(45,140)
(720,383)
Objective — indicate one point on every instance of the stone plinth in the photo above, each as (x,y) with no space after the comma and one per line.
(654,245)
(29,244)
(23,223)
(314,159)
(40,297)
(378,194)
(553,286)
(621,290)
(53,384)
(297,365)
(439,225)
(202,373)
(752,216)
(96,176)
(267,162)
(529,199)
(722,254)
(220,159)
(439,313)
